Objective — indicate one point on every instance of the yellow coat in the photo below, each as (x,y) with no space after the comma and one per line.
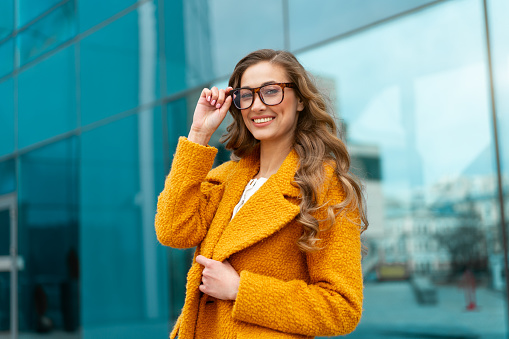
(284,292)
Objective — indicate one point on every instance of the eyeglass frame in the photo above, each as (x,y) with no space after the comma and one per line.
(255,90)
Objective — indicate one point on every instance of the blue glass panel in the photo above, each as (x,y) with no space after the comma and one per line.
(47,99)
(175,46)
(109,70)
(30,9)
(6,117)
(123,268)
(5,277)
(109,184)
(93,12)
(237,28)
(310,23)
(7,176)
(6,57)
(5,241)
(6,18)
(48,237)
(178,116)
(415,101)
(47,33)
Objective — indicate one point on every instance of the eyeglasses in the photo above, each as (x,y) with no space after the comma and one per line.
(270,95)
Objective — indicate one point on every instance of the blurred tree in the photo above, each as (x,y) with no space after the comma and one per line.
(466,246)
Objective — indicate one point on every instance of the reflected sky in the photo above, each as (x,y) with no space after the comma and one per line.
(237,30)
(417,88)
(347,16)
(30,9)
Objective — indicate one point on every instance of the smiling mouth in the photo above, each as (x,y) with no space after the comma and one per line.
(263,120)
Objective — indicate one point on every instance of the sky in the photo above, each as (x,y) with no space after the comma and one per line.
(418,89)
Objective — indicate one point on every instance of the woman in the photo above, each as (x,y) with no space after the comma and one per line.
(277,229)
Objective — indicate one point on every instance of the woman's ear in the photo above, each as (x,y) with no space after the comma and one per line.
(300,105)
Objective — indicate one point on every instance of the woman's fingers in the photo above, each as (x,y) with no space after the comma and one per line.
(220,98)
(200,259)
(226,106)
(214,95)
(206,94)
(219,279)
(223,97)
(210,111)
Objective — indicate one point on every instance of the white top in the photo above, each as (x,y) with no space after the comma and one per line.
(252,186)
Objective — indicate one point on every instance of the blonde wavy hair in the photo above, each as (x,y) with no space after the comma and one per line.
(316,142)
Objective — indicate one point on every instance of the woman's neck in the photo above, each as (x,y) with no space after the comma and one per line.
(271,158)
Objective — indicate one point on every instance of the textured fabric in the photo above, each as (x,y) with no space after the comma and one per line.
(284,292)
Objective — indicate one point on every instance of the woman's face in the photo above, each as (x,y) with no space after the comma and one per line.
(278,122)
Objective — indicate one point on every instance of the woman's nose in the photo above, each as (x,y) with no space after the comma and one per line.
(258,104)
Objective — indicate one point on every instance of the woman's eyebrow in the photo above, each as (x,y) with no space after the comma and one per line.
(265,83)
(269,82)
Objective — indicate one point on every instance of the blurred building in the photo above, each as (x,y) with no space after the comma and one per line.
(94,95)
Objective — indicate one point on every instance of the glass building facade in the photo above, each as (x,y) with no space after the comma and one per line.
(94,95)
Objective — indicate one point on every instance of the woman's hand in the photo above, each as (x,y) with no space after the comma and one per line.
(210,111)
(219,279)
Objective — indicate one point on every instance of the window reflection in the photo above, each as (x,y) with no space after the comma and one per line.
(5,277)
(108,70)
(6,18)
(31,9)
(7,176)
(418,123)
(123,289)
(48,239)
(184,68)
(110,219)
(47,98)
(92,12)
(6,117)
(237,30)
(6,57)
(47,33)
(334,17)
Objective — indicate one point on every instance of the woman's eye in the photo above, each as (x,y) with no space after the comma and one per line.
(271,91)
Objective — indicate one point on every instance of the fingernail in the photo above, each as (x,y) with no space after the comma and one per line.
(213,102)
(218,106)
(208,98)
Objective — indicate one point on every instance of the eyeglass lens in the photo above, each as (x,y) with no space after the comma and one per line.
(269,94)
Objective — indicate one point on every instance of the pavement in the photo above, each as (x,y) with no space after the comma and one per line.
(391,311)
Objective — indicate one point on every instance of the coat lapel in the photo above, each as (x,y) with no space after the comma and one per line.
(266,212)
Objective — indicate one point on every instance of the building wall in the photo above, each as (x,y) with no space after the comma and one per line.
(94,95)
